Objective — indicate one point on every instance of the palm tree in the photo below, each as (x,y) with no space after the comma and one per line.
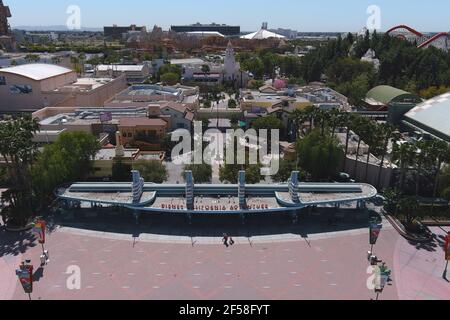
(360,127)
(440,151)
(404,155)
(299,117)
(391,199)
(406,206)
(56,60)
(348,121)
(75,61)
(335,120)
(323,117)
(386,130)
(206,69)
(422,151)
(82,59)
(32,58)
(311,113)
(373,135)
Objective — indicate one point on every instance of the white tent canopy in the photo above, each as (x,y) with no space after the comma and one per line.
(262,34)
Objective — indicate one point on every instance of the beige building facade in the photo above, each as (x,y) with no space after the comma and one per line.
(31,87)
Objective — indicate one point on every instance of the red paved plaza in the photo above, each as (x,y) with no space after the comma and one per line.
(334,267)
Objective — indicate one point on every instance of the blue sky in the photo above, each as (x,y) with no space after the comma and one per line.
(302,15)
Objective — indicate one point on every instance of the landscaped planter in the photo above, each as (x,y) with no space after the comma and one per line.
(428,237)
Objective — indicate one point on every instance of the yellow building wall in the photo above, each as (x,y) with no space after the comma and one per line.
(249,105)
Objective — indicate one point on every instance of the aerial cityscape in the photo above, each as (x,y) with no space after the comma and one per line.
(216,161)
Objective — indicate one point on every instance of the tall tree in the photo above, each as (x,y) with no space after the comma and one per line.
(440,151)
(285,170)
(18,151)
(360,127)
(68,159)
(403,154)
(319,155)
(202,172)
(386,131)
(151,171)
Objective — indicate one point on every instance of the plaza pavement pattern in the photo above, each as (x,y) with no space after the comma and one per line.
(324,266)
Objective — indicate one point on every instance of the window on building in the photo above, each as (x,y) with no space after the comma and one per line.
(2,81)
(21,89)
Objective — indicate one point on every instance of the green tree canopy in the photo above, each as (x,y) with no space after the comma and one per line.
(170,78)
(403,65)
(18,152)
(202,172)
(169,68)
(232,104)
(206,69)
(121,172)
(444,183)
(68,159)
(320,155)
(230,173)
(151,171)
(284,173)
(269,123)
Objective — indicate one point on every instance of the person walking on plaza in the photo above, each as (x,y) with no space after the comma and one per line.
(225,240)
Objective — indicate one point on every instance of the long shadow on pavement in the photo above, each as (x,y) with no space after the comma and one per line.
(12,243)
(105,220)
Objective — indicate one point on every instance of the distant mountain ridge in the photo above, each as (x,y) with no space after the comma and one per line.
(58,28)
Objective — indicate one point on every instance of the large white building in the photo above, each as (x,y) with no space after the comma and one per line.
(34,86)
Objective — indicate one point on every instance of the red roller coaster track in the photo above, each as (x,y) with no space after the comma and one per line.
(417,33)
(435,38)
(422,40)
